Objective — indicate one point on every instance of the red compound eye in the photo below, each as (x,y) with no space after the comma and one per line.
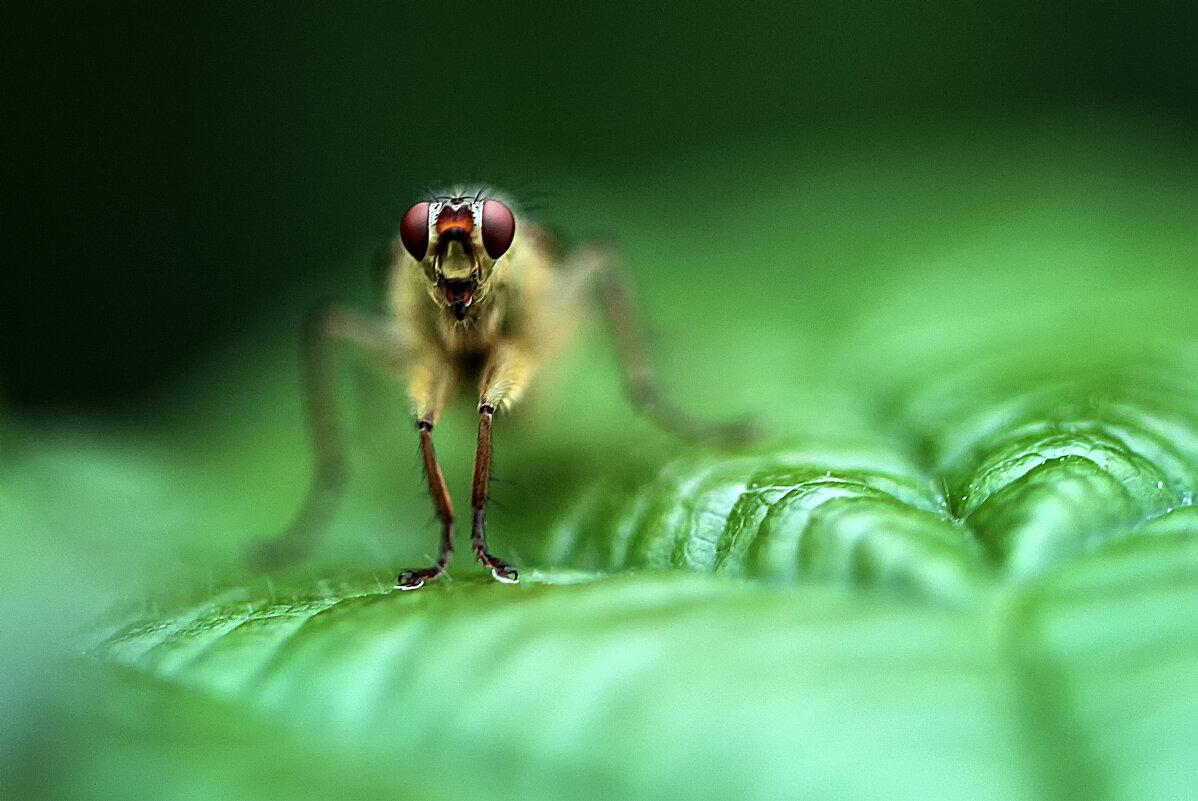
(499,227)
(413,231)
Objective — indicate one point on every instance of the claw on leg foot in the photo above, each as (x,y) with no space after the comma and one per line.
(414,579)
(500,570)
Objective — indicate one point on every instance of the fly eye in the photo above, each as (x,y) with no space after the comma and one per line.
(499,227)
(413,231)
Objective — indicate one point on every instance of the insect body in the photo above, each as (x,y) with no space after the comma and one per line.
(471,296)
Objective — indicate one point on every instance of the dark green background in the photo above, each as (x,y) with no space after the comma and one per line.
(175,172)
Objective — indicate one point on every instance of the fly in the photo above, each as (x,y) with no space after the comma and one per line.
(468,285)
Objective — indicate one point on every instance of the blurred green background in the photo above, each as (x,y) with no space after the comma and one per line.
(945,253)
(173,172)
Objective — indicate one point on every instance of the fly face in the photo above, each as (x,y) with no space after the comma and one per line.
(457,241)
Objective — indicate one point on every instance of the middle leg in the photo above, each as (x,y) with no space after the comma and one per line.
(597,264)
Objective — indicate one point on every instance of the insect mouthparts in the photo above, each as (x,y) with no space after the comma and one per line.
(458,295)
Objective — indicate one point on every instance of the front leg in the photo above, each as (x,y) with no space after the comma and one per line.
(431,382)
(506,374)
(414,579)
(500,569)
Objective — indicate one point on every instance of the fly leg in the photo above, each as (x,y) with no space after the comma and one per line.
(414,579)
(598,264)
(432,381)
(504,378)
(325,328)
